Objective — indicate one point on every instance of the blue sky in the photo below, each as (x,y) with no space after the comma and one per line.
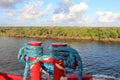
(60,13)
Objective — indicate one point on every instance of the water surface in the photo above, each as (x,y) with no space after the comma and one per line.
(101,58)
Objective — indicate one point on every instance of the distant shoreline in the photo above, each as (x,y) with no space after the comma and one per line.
(68,33)
(69,38)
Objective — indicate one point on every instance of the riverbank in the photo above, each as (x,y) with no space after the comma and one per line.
(72,38)
(72,33)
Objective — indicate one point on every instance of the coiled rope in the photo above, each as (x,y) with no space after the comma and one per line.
(69,55)
(66,53)
(27,52)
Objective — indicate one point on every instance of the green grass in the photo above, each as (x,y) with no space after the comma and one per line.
(63,32)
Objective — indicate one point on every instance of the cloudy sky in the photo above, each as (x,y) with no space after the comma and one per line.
(60,12)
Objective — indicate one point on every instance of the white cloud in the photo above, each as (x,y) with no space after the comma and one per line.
(7,4)
(78,8)
(107,17)
(32,10)
(63,6)
(10,14)
(76,14)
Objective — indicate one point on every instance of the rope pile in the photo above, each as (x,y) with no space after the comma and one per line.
(66,53)
(69,55)
(27,52)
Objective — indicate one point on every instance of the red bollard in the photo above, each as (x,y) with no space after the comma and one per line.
(36,68)
(59,70)
(58,44)
(58,67)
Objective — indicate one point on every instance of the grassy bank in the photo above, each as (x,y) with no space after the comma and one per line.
(96,33)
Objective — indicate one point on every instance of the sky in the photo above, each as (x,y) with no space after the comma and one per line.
(60,13)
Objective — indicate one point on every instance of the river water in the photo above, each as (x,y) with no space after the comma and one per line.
(101,58)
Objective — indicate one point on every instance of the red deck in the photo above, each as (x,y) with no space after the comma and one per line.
(5,76)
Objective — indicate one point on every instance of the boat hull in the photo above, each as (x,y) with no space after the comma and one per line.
(6,76)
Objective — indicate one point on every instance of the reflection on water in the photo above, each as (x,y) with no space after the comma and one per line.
(98,57)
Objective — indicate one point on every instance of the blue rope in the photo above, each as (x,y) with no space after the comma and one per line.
(66,53)
(29,51)
(78,59)
(69,55)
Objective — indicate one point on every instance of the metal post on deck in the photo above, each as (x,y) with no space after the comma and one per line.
(35,69)
(59,70)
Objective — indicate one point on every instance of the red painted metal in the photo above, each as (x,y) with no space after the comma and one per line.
(5,76)
(35,70)
(35,43)
(87,77)
(75,77)
(58,67)
(59,44)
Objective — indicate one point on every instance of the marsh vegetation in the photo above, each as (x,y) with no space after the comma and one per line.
(88,33)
